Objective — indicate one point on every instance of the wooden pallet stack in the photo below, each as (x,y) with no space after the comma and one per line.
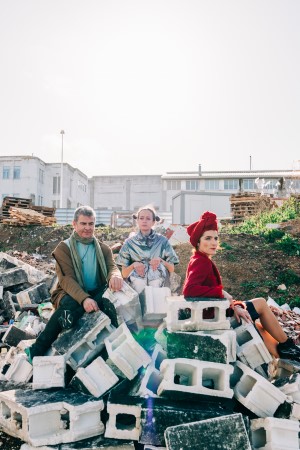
(20,212)
(16,202)
(22,216)
(245,204)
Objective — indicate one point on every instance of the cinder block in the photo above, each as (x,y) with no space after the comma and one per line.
(255,392)
(50,417)
(251,349)
(14,276)
(212,434)
(159,413)
(94,443)
(185,315)
(7,304)
(125,352)
(216,345)
(48,372)
(153,302)
(151,447)
(290,386)
(34,275)
(14,335)
(195,377)
(161,335)
(122,306)
(274,434)
(96,379)
(282,368)
(20,370)
(82,343)
(152,378)
(34,294)
(124,421)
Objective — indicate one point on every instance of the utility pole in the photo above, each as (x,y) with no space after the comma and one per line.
(61,168)
(250,162)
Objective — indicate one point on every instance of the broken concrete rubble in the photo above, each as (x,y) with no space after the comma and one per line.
(134,389)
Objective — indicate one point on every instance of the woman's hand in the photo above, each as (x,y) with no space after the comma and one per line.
(154,263)
(139,268)
(227,296)
(241,313)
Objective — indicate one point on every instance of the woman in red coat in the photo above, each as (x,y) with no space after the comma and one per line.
(203,280)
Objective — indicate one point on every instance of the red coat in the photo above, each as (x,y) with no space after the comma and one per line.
(202,278)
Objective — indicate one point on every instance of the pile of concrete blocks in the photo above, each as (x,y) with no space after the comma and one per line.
(190,383)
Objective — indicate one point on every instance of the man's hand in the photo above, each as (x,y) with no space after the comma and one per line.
(115,283)
(89,305)
(154,263)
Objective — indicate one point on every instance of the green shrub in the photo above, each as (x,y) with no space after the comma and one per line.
(288,277)
(272,235)
(289,245)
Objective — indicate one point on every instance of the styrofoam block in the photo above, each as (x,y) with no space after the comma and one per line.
(48,372)
(210,345)
(274,434)
(97,378)
(194,376)
(153,302)
(82,343)
(49,418)
(194,312)
(118,430)
(251,349)
(125,352)
(255,392)
(126,303)
(20,370)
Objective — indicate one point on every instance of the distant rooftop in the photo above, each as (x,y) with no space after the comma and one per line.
(233,174)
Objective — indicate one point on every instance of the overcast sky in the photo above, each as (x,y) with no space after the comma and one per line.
(145,87)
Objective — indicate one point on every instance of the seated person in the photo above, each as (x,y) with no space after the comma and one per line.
(147,258)
(203,280)
(84,268)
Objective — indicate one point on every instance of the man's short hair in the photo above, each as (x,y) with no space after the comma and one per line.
(84,211)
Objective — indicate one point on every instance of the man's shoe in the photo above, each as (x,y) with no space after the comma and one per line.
(66,320)
(289,350)
(28,353)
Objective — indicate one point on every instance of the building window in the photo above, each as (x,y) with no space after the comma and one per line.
(271,184)
(81,186)
(211,185)
(231,185)
(41,176)
(192,185)
(173,185)
(6,172)
(56,185)
(17,172)
(55,203)
(249,184)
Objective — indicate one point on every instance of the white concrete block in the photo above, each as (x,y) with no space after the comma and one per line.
(126,303)
(115,427)
(161,335)
(251,349)
(292,388)
(82,343)
(49,418)
(151,447)
(153,302)
(48,372)
(197,377)
(295,413)
(96,378)
(20,370)
(152,377)
(255,392)
(193,313)
(125,352)
(34,275)
(274,434)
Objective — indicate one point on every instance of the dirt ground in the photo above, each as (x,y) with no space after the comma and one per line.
(250,267)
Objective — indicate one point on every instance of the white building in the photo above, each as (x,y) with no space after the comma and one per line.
(30,177)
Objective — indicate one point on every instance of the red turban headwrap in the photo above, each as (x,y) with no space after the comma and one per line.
(208,221)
